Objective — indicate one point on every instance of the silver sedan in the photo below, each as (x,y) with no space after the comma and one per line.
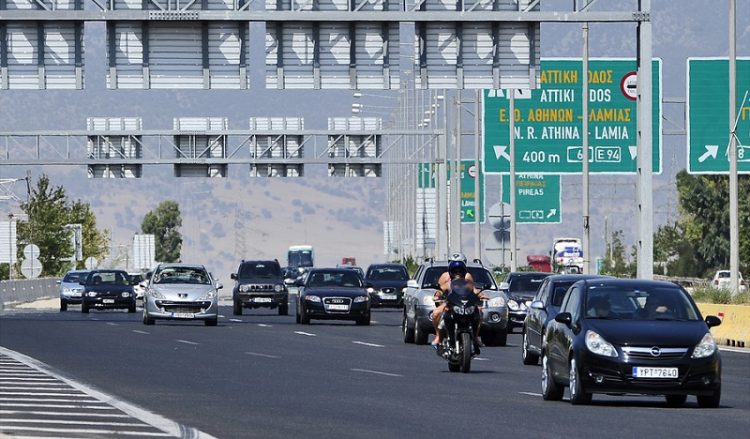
(181,292)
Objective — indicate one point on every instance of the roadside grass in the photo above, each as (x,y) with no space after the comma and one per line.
(720,296)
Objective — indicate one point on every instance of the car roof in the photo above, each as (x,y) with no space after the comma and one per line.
(445,264)
(630,283)
(331,269)
(258,261)
(77,271)
(575,277)
(528,273)
(180,264)
(386,265)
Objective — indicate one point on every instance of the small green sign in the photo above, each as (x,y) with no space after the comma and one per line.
(469,211)
(538,198)
(708,116)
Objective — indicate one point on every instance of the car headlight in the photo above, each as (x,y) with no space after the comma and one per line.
(244,288)
(705,348)
(92,294)
(370,290)
(156,294)
(523,306)
(209,295)
(403,290)
(428,301)
(496,302)
(301,269)
(598,345)
(312,299)
(360,299)
(125,294)
(513,305)
(278,288)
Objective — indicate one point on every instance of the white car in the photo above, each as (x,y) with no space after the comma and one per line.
(721,280)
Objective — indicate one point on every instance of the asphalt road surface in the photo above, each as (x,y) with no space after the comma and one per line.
(262,375)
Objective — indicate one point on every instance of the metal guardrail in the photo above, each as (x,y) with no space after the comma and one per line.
(27,290)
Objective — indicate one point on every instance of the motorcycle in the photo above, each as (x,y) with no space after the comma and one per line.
(457,345)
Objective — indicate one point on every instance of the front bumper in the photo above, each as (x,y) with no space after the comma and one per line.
(72,297)
(107,302)
(178,309)
(262,300)
(516,318)
(494,319)
(615,375)
(317,310)
(380,299)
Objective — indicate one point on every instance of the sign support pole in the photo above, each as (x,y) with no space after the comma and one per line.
(734,235)
(645,232)
(512,145)
(585,242)
(477,146)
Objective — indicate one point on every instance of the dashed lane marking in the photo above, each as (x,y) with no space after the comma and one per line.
(138,331)
(377,372)
(235,320)
(263,325)
(257,354)
(530,393)
(369,344)
(187,342)
(309,334)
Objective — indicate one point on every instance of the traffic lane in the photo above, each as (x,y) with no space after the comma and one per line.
(257,395)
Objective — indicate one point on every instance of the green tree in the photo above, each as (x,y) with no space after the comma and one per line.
(95,242)
(674,254)
(47,216)
(615,261)
(164,223)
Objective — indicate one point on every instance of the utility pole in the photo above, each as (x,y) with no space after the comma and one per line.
(734,228)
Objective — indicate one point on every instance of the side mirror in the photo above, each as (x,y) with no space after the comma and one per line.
(712,321)
(299,282)
(537,304)
(219,286)
(233,276)
(564,318)
(143,284)
(411,283)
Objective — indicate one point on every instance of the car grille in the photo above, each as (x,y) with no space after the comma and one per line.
(650,353)
(183,307)
(258,287)
(388,290)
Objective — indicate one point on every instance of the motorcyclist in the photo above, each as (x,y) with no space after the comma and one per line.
(457,271)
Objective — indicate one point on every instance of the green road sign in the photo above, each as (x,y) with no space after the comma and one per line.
(708,116)
(538,198)
(469,211)
(548,120)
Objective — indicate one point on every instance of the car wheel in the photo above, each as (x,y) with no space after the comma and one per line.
(710,401)
(284,309)
(420,335)
(527,356)
(577,394)
(63,305)
(303,317)
(211,322)
(551,391)
(146,319)
(407,331)
(237,308)
(364,321)
(84,308)
(131,308)
(675,400)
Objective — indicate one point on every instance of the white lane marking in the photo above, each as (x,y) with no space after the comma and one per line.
(138,331)
(368,344)
(530,393)
(79,400)
(49,387)
(65,413)
(305,333)
(738,350)
(222,316)
(256,354)
(112,324)
(40,394)
(376,372)
(39,381)
(482,359)
(85,422)
(60,406)
(90,431)
(170,427)
(235,320)
(263,325)
(94,319)
(187,342)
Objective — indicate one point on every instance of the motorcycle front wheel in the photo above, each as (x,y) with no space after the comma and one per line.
(465,354)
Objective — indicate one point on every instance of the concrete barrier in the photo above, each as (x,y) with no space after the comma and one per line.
(735,323)
(27,290)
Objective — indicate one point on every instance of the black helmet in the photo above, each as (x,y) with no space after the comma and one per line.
(458,256)
(456,267)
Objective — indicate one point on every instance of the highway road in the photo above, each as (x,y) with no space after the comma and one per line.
(262,375)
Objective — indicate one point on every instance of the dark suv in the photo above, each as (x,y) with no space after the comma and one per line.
(260,284)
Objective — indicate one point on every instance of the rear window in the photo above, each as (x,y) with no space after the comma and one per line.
(109,278)
(482,278)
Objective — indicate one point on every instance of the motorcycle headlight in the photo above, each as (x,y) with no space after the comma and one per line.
(513,305)
(598,345)
(464,310)
(428,301)
(156,294)
(92,294)
(360,299)
(278,288)
(705,348)
(312,299)
(370,290)
(496,302)
(125,294)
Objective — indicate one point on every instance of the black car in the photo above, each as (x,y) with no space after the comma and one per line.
(627,336)
(388,282)
(333,294)
(543,308)
(521,287)
(107,289)
(259,284)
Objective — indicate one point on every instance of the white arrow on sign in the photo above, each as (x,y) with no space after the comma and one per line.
(552,212)
(633,152)
(711,151)
(500,152)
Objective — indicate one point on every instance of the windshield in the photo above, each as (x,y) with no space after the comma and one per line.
(74,278)
(182,275)
(629,303)
(334,279)
(259,269)
(108,278)
(300,258)
(482,278)
(526,285)
(388,273)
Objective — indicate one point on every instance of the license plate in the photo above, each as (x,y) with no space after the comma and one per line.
(655,372)
(262,300)
(338,307)
(183,315)
(388,297)
(108,300)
